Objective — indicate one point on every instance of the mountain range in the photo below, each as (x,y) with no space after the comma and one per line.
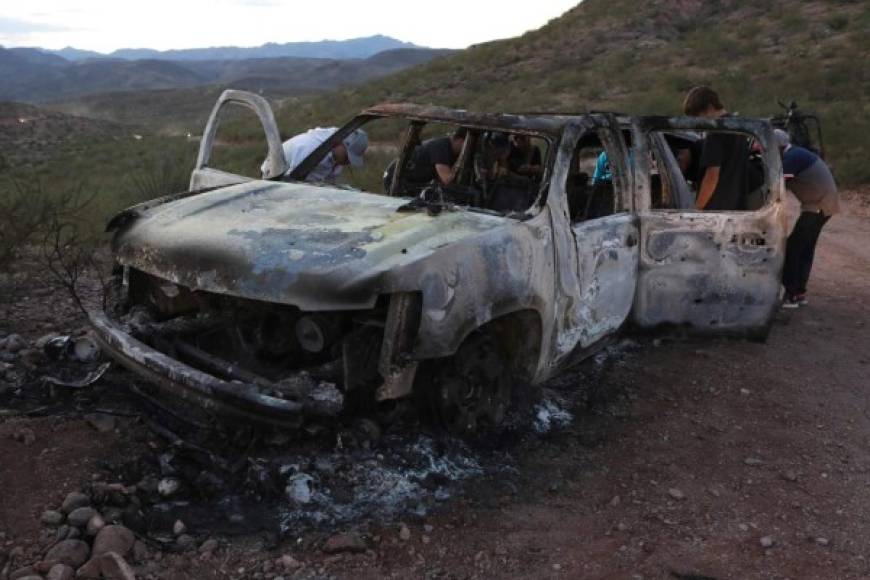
(34,75)
(362,47)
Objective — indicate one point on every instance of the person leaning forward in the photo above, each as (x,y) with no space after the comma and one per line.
(724,156)
(348,151)
(811,181)
(434,159)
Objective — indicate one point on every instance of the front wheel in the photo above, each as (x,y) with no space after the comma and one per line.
(472,390)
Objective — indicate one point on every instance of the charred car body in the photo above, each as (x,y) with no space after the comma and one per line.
(276,300)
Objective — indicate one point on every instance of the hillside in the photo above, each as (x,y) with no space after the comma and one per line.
(30,135)
(642,57)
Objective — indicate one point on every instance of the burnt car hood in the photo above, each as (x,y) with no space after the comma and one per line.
(315,247)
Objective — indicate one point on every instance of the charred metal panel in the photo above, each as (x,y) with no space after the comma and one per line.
(212,394)
(713,271)
(314,247)
(607,256)
(710,272)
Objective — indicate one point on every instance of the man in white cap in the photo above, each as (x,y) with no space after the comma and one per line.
(810,180)
(349,151)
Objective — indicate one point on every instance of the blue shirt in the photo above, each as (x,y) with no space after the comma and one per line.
(796,160)
(602,170)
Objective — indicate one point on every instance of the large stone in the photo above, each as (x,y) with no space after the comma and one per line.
(95,524)
(13,343)
(80,517)
(350,542)
(109,565)
(25,572)
(114,539)
(71,552)
(60,572)
(52,518)
(74,500)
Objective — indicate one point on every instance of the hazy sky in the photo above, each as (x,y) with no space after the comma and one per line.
(105,25)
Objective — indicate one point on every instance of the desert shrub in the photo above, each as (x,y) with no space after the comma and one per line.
(30,213)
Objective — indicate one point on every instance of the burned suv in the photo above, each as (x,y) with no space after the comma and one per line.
(278,300)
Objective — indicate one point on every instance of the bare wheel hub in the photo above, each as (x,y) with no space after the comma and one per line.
(474,391)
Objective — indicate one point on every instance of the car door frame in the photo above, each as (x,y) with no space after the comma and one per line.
(578,330)
(204,176)
(709,272)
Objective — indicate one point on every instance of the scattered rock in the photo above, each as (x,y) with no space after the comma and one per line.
(108,565)
(822,541)
(29,577)
(60,572)
(299,488)
(140,551)
(766,542)
(114,539)
(208,546)
(615,501)
(79,517)
(676,493)
(13,343)
(404,533)
(745,392)
(753,461)
(168,486)
(24,435)
(288,562)
(789,475)
(95,524)
(349,542)
(185,542)
(113,515)
(74,500)
(52,518)
(26,572)
(101,422)
(71,552)
(178,528)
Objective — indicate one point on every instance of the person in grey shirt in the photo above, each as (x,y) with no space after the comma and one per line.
(811,181)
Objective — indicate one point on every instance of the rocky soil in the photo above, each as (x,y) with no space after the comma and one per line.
(661,458)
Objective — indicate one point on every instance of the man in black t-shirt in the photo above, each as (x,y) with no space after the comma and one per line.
(724,156)
(433,159)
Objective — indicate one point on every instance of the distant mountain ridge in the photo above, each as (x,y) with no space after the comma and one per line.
(31,75)
(362,47)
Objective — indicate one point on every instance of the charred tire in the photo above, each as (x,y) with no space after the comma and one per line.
(472,390)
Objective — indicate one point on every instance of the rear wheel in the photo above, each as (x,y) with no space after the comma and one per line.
(472,390)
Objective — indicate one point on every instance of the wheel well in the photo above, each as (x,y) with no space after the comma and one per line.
(519,335)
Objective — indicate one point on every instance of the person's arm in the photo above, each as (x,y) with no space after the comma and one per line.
(711,164)
(445,173)
(708,186)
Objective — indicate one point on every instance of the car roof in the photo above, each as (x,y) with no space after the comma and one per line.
(541,123)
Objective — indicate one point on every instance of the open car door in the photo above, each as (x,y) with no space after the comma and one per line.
(707,271)
(204,176)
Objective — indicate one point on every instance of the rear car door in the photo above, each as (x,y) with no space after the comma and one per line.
(706,271)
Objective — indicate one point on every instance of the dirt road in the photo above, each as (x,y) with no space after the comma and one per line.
(685,458)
